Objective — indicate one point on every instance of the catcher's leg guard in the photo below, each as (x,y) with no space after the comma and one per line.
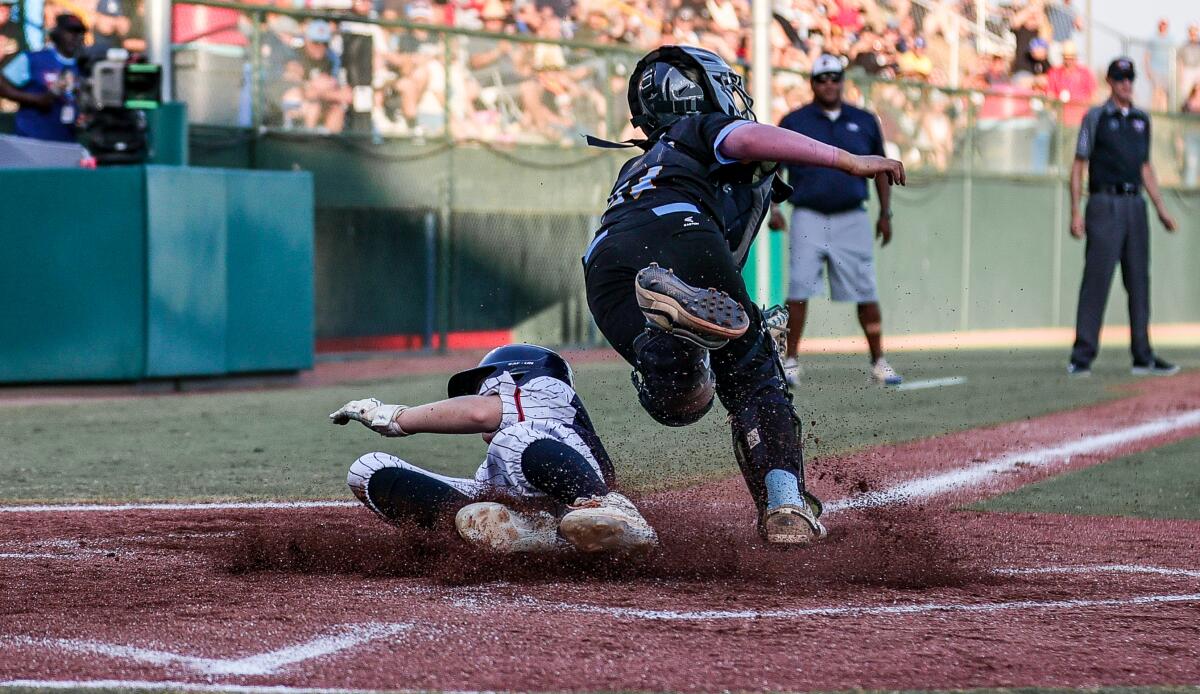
(399,491)
(707,317)
(674,381)
(766,442)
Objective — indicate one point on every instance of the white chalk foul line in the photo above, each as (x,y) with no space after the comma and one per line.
(868,611)
(344,637)
(932,383)
(975,475)
(171,685)
(1100,569)
(167,506)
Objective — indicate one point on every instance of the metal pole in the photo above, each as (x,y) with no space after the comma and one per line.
(964,298)
(760,71)
(430,280)
(257,98)
(1091,55)
(955,49)
(981,23)
(158,43)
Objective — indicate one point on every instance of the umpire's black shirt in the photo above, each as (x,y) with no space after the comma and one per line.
(1116,145)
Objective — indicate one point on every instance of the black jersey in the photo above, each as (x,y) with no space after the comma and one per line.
(685,167)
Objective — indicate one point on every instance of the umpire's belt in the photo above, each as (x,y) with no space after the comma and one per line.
(1117,189)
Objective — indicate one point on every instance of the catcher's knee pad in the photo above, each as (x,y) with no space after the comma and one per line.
(674,381)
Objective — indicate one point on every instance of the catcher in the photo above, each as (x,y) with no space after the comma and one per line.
(541,443)
(663,273)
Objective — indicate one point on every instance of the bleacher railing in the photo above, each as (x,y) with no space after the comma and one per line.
(268,69)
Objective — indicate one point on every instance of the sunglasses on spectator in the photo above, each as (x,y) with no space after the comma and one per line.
(828,77)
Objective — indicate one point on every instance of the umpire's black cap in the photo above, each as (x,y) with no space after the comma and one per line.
(1121,69)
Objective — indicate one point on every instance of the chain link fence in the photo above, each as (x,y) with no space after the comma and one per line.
(455,193)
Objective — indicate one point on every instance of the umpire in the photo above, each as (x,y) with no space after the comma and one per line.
(1114,145)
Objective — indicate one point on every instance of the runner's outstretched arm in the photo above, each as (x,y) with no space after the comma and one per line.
(758,142)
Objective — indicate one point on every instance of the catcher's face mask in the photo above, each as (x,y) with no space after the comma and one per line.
(676,81)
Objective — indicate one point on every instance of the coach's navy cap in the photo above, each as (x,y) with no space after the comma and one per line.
(1121,68)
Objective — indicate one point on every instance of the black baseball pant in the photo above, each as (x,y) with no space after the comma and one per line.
(1117,232)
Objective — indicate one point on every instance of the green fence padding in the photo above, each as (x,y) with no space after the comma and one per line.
(72,277)
(168,134)
(186,251)
(154,272)
(269,271)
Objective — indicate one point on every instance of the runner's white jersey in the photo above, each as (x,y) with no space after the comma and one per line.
(541,408)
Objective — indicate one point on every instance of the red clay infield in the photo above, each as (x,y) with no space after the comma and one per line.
(908,595)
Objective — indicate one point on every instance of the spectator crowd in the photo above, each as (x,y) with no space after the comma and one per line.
(518,82)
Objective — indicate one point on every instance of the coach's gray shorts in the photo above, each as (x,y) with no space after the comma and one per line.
(845,243)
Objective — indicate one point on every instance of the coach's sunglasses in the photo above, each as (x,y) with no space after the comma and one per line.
(827,78)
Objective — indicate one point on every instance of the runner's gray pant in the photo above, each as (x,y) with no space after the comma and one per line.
(1117,231)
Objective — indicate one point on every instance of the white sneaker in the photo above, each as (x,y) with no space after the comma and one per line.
(609,523)
(792,371)
(883,373)
(499,528)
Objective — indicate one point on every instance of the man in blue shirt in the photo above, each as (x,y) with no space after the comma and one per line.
(830,227)
(44,84)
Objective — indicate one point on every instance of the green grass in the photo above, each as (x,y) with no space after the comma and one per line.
(1158,483)
(278,444)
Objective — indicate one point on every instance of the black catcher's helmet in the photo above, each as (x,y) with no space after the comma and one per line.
(524,362)
(671,82)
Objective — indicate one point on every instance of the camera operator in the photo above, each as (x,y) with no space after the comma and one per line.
(44,84)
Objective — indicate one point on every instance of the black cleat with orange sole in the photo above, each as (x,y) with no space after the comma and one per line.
(708,317)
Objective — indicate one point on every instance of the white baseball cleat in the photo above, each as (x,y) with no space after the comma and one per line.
(792,371)
(790,524)
(609,523)
(883,373)
(498,528)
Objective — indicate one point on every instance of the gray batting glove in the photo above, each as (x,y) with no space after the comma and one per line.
(375,415)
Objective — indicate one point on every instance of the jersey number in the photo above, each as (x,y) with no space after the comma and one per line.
(632,190)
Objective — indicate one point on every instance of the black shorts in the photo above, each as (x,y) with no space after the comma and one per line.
(679,238)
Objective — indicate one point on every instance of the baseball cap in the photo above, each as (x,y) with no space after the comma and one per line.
(1069,48)
(827,64)
(109,8)
(1121,68)
(1038,43)
(318,31)
(421,12)
(70,22)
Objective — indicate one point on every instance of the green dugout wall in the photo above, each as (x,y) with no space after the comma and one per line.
(154,272)
(970,252)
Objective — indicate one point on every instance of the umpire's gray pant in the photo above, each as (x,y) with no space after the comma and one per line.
(1117,230)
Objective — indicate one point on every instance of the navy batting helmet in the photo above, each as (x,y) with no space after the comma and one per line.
(523,362)
(671,82)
